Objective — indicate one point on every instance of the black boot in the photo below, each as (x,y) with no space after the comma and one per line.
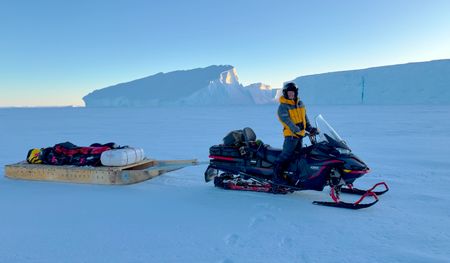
(277,177)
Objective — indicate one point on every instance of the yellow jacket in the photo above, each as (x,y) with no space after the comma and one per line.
(292,115)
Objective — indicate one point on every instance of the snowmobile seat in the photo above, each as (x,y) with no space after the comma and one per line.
(269,153)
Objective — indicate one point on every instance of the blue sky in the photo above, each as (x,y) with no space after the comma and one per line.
(55,52)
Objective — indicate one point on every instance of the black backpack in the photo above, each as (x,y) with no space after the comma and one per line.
(239,137)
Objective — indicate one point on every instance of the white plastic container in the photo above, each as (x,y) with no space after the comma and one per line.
(122,157)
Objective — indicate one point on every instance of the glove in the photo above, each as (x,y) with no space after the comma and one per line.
(313,131)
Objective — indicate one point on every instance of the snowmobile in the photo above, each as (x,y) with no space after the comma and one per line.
(247,164)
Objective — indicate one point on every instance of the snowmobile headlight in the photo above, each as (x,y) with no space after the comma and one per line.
(343,151)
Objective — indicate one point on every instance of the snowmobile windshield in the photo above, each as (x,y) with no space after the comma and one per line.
(328,134)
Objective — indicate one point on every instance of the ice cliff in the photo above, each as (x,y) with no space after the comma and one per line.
(213,85)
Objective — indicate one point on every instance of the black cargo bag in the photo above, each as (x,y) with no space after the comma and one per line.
(234,138)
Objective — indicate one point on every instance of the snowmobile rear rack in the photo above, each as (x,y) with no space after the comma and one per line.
(123,175)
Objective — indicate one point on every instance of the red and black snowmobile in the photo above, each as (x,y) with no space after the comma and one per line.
(245,163)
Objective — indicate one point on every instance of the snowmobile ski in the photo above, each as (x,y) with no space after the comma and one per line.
(341,204)
(345,205)
(353,190)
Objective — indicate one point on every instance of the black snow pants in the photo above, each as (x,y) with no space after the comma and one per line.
(290,145)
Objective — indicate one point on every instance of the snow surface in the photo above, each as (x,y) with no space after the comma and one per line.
(179,218)
(412,83)
(213,85)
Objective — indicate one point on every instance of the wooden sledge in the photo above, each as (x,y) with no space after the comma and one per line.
(122,175)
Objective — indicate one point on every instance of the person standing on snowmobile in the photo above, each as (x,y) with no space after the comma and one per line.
(292,115)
